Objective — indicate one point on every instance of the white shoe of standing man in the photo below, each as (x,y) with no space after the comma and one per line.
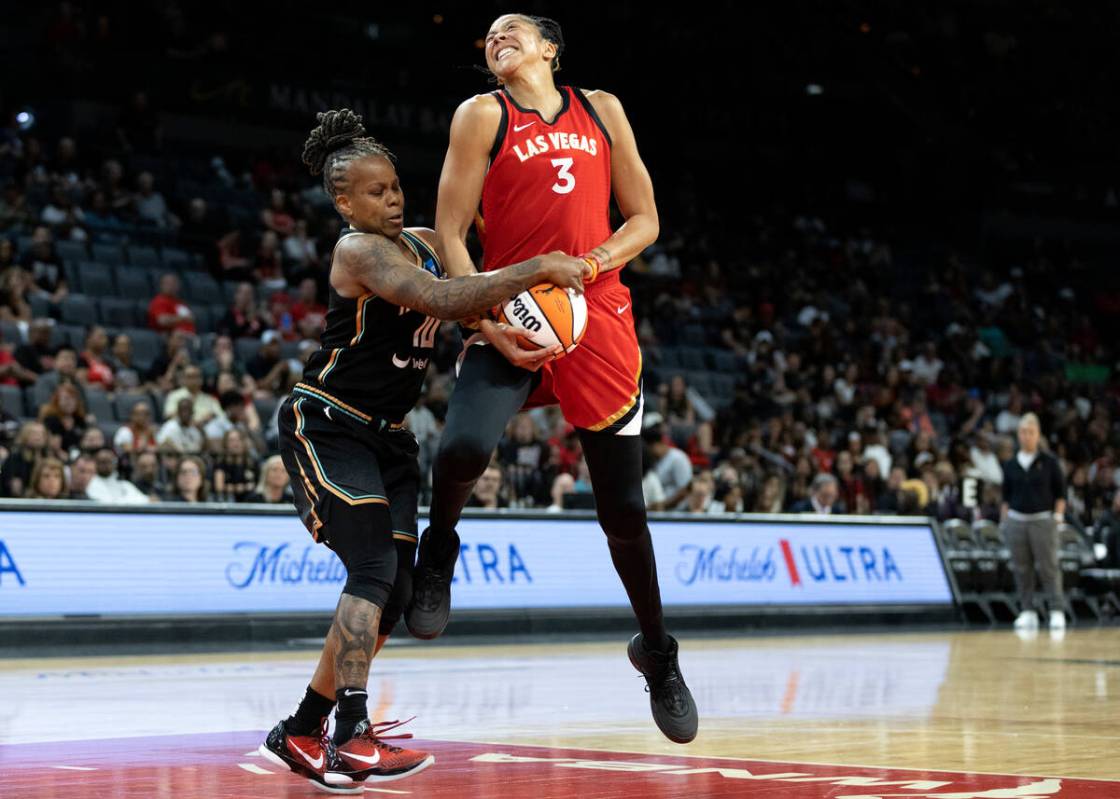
(1057,620)
(1027,620)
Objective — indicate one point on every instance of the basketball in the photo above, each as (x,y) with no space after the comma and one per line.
(547,315)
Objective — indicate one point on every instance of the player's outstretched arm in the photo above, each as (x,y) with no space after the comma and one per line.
(376,264)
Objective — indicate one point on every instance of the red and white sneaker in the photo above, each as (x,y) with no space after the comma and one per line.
(310,756)
(366,756)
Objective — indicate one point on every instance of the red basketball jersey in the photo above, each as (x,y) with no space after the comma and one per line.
(548,186)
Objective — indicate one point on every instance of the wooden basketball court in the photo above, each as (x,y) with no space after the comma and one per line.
(920,715)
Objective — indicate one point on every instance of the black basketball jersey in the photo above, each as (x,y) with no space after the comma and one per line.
(374,354)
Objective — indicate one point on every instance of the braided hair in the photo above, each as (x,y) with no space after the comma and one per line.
(338,140)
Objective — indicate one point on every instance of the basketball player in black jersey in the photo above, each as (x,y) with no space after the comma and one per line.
(353,466)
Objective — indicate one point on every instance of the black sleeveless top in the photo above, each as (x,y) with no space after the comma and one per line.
(374,354)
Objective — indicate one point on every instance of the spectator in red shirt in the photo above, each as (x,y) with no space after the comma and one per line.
(94,360)
(308,313)
(12,372)
(166,311)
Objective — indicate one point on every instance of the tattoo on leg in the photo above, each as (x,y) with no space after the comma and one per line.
(354,636)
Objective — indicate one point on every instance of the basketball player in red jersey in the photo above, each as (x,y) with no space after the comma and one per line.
(543,160)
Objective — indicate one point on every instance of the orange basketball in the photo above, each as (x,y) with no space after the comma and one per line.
(547,315)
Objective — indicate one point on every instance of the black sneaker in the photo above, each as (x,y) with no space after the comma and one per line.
(310,756)
(674,710)
(429,609)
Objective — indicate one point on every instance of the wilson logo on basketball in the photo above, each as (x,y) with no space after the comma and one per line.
(522,314)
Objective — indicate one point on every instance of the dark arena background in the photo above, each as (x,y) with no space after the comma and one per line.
(889,237)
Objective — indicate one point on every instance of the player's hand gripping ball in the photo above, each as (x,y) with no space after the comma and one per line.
(546,316)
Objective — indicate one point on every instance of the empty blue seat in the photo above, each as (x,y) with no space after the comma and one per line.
(78,309)
(11,399)
(107,253)
(134,282)
(116,312)
(71,251)
(147,257)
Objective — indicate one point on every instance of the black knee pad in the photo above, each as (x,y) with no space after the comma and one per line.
(366,548)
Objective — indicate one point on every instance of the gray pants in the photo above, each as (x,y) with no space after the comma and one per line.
(1035,543)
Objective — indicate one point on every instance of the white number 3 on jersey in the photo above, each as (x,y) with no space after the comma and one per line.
(568,180)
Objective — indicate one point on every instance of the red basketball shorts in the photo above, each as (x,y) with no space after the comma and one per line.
(598,384)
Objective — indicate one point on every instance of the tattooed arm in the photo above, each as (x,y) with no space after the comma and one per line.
(374,263)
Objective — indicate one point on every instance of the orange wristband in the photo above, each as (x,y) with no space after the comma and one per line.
(595,264)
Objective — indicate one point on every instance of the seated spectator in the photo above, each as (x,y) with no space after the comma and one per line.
(308,313)
(205,406)
(267,368)
(771,498)
(150,205)
(200,230)
(45,266)
(237,414)
(487,490)
(233,263)
(167,312)
(107,486)
(189,483)
(728,499)
(673,467)
(223,360)
(48,480)
(179,432)
(31,444)
(92,440)
(82,471)
(245,318)
(824,496)
(701,492)
(891,500)
(525,461)
(562,486)
(268,265)
(15,289)
(61,211)
(101,220)
(235,470)
(280,312)
(697,415)
(138,433)
(652,491)
(167,364)
(95,368)
(125,374)
(64,416)
(12,372)
(145,475)
(300,249)
(985,461)
(276,216)
(274,485)
(14,211)
(853,492)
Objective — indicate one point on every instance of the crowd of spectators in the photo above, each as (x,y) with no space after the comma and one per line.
(792,365)
(824,376)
